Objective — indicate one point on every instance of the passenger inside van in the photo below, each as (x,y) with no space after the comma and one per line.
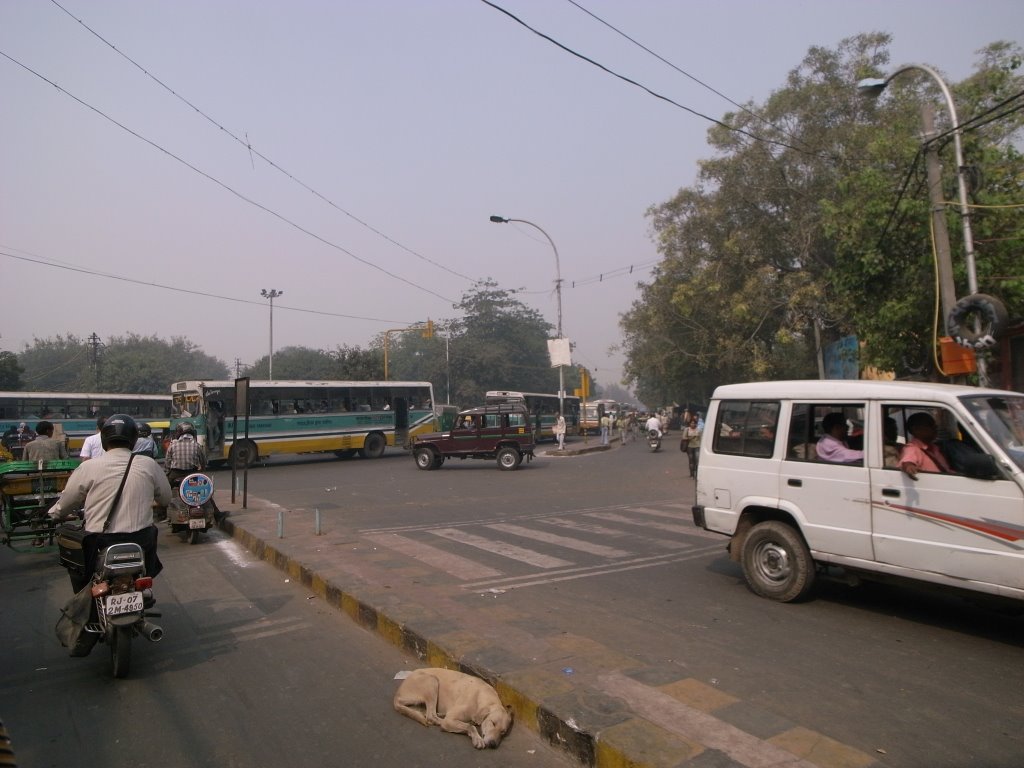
(832,446)
(921,454)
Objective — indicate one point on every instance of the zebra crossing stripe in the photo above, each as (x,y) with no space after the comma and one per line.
(600,530)
(560,541)
(611,517)
(510,551)
(459,567)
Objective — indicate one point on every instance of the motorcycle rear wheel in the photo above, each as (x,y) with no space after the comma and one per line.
(121,650)
(193,536)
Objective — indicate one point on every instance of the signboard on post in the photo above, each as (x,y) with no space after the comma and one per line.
(241,412)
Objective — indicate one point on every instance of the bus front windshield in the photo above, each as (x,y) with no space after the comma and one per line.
(1002,416)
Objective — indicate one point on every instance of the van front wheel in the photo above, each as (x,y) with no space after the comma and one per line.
(777,563)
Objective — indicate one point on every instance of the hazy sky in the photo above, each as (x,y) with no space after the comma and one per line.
(414,120)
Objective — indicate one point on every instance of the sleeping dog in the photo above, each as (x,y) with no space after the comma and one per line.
(457,702)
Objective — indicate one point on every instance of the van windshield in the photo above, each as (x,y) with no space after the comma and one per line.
(1002,416)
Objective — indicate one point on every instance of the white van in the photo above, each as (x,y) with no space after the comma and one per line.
(791,514)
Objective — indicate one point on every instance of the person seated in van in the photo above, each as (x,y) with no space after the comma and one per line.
(921,453)
(832,445)
(890,445)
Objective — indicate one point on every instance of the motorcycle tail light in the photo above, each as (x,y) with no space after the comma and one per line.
(100,589)
(144,582)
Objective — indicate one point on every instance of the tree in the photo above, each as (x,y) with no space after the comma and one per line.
(131,364)
(344,363)
(10,372)
(779,246)
(497,343)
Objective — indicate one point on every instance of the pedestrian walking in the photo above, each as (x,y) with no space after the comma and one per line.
(559,431)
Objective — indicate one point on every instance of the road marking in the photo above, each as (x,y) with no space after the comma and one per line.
(693,725)
(510,551)
(459,567)
(561,541)
(535,580)
(615,533)
(611,517)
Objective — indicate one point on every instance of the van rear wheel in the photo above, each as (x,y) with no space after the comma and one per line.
(777,563)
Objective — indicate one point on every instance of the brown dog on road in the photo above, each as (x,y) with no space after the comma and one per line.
(457,702)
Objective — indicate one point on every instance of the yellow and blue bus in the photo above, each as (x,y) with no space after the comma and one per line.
(543,410)
(75,413)
(340,417)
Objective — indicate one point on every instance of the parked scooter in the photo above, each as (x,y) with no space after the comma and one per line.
(193,510)
(113,605)
(653,440)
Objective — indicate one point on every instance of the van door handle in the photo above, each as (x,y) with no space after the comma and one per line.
(891,492)
(795,482)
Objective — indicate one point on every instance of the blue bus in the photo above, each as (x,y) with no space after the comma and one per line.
(340,417)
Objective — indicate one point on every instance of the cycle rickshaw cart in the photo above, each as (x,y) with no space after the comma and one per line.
(27,491)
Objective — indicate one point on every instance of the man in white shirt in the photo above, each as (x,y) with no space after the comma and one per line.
(653,423)
(93,446)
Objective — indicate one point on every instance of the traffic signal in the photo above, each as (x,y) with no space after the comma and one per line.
(428,330)
(584,382)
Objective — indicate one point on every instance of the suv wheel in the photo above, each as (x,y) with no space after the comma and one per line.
(509,458)
(425,458)
(777,563)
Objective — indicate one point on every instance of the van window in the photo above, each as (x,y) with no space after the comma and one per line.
(956,443)
(805,430)
(746,428)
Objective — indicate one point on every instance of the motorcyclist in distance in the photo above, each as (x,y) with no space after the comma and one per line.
(95,483)
(184,455)
(653,424)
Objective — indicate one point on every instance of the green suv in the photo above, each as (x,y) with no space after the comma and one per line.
(500,431)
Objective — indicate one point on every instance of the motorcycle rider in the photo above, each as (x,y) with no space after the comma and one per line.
(653,425)
(96,483)
(145,445)
(184,455)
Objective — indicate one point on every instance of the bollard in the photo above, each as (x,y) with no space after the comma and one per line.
(316,521)
(280,523)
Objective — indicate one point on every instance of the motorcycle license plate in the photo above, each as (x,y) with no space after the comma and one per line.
(198,522)
(129,602)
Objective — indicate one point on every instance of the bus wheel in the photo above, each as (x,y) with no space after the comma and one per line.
(243,454)
(374,446)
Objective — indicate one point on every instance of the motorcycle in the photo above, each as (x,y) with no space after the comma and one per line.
(653,440)
(113,605)
(192,511)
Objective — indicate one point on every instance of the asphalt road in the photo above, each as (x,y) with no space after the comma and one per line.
(602,546)
(252,672)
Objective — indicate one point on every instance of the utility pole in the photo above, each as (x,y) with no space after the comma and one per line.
(947,288)
(94,356)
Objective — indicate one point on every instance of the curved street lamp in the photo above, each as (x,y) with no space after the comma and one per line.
(558,293)
(873,86)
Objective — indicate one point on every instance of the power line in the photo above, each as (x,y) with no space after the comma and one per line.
(253,151)
(225,186)
(95,273)
(682,71)
(655,94)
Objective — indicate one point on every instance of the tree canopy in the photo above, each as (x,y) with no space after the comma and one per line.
(821,229)
(130,364)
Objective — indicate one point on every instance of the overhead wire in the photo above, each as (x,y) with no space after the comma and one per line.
(191,291)
(644,88)
(253,151)
(224,185)
(681,71)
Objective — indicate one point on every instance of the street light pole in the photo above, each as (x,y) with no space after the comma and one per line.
(558,293)
(271,294)
(873,87)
